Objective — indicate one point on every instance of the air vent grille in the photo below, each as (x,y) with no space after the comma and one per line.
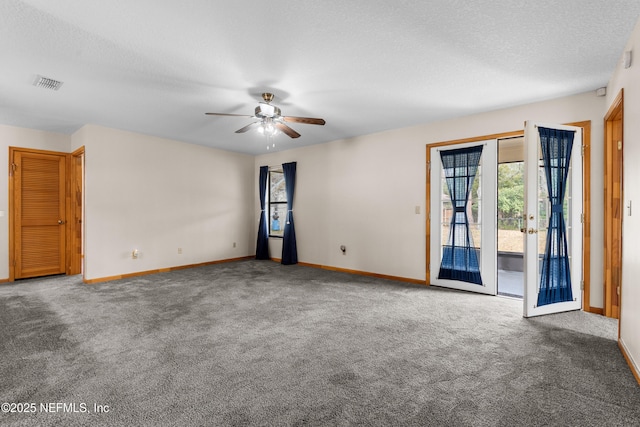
(47,83)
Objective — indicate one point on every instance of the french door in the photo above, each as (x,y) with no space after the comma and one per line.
(553,219)
(463,247)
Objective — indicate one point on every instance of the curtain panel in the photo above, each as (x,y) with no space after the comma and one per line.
(555,277)
(262,245)
(289,246)
(460,257)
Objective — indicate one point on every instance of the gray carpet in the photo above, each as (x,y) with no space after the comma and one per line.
(257,343)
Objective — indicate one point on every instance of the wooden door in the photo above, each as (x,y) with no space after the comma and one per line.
(613,207)
(76,247)
(39,212)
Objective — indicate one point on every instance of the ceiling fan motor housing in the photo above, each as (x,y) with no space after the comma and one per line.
(264,110)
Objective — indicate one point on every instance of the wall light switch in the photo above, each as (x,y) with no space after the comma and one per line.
(1,214)
(626,59)
(417,210)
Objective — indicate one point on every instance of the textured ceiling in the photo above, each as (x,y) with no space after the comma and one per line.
(155,67)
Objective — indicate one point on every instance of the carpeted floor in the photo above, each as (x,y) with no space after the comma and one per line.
(258,343)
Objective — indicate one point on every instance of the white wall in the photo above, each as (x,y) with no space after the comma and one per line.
(26,138)
(362,192)
(157,195)
(629,79)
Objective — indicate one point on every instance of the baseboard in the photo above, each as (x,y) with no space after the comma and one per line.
(364,273)
(634,368)
(594,310)
(162,270)
(306,264)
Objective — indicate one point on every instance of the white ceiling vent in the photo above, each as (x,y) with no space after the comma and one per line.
(47,83)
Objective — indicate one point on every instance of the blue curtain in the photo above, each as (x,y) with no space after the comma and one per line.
(555,280)
(460,259)
(262,246)
(289,248)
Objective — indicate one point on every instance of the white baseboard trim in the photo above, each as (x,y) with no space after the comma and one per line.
(633,365)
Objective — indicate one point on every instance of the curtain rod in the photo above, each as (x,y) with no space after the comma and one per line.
(275,166)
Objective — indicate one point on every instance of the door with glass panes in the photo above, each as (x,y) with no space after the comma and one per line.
(463,249)
(553,219)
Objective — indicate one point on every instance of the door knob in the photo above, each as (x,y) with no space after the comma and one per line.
(532,231)
(523,230)
(60,222)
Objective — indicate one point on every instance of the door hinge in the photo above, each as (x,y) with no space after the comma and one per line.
(428,165)
(582,218)
(582,285)
(582,150)
(13,169)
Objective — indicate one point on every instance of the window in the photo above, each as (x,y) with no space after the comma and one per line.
(277,198)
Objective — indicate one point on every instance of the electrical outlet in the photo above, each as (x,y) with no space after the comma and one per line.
(234,244)
(179,250)
(134,254)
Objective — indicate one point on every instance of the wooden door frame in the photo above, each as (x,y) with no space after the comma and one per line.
(586,202)
(69,206)
(613,204)
(76,236)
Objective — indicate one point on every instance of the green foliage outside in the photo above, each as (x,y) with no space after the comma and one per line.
(510,196)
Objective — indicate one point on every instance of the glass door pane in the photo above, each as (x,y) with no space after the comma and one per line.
(463,236)
(510,217)
(540,214)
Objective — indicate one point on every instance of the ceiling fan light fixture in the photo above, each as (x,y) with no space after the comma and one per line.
(270,121)
(267,128)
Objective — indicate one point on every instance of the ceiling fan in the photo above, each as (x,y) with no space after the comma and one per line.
(270,119)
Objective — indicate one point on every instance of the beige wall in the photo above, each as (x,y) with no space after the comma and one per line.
(629,80)
(150,194)
(363,192)
(11,136)
(157,195)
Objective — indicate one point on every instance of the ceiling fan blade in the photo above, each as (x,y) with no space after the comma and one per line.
(227,114)
(247,127)
(305,120)
(286,129)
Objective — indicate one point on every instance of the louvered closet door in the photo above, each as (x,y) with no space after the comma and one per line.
(39,191)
